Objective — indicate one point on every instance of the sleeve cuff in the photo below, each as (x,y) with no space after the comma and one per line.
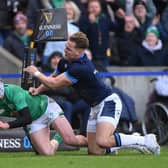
(70,77)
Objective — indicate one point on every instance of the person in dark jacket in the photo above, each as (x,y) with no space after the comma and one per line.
(130,36)
(151,52)
(97,27)
(19,38)
(126,6)
(34,6)
(140,12)
(163,21)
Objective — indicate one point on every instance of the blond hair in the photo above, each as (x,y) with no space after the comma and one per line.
(76,10)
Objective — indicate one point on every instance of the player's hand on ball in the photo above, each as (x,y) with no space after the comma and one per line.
(31,69)
(33,91)
(4,125)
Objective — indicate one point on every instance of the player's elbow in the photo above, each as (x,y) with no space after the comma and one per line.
(26,121)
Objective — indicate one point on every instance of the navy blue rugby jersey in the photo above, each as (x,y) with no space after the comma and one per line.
(85,79)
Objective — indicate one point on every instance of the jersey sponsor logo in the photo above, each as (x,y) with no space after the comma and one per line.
(2,111)
(10,143)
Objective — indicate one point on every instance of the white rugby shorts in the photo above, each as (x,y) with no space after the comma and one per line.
(109,110)
(52,112)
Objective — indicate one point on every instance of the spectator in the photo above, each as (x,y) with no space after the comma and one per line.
(140,12)
(125,7)
(82,4)
(73,15)
(128,39)
(33,6)
(57,3)
(160,5)
(19,38)
(151,8)
(97,28)
(152,52)
(8,10)
(54,59)
(164,23)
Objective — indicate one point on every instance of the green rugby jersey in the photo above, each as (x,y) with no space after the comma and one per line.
(16,99)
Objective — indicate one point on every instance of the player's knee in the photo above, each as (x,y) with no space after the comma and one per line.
(102,142)
(94,152)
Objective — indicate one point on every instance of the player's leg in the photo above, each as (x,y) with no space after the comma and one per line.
(93,148)
(40,134)
(41,141)
(107,140)
(63,127)
(107,121)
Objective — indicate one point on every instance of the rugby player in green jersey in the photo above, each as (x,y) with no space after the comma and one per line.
(37,113)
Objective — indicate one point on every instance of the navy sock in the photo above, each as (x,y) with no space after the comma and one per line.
(117,139)
(108,150)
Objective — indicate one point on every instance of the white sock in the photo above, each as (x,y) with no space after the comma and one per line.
(131,139)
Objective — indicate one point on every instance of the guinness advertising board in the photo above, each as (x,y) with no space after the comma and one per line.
(16,141)
(51,25)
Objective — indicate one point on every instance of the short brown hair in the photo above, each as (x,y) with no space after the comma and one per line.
(80,40)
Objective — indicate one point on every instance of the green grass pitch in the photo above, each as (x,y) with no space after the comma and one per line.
(80,159)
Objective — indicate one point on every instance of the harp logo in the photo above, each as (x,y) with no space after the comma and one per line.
(48,17)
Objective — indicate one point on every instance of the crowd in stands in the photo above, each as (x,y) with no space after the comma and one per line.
(132,25)
(120,32)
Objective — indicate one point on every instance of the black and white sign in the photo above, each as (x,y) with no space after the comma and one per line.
(51,25)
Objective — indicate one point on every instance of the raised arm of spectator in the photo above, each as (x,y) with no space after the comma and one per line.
(151,9)
(162,31)
(115,5)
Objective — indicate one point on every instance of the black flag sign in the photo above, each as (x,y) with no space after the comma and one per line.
(51,25)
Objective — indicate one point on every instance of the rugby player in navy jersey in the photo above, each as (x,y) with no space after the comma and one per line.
(76,70)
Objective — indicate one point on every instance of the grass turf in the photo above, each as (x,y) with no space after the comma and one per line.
(80,159)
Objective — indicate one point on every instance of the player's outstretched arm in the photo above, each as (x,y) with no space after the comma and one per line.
(35,91)
(41,88)
(22,120)
(51,82)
